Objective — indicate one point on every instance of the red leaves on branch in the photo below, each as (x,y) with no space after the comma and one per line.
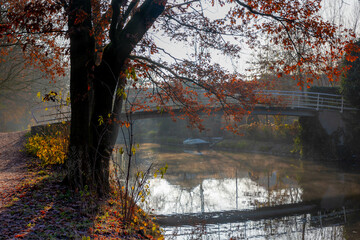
(39,26)
(81,16)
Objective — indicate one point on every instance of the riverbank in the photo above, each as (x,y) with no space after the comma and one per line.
(37,205)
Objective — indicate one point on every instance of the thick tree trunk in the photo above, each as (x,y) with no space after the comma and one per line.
(104,133)
(82,63)
(92,91)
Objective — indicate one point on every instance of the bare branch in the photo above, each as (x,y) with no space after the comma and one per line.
(181,4)
(206,30)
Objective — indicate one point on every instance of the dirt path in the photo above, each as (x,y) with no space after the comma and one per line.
(12,163)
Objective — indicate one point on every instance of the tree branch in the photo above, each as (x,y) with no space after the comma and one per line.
(186,79)
(115,4)
(136,28)
(250,9)
(205,30)
(131,6)
(181,4)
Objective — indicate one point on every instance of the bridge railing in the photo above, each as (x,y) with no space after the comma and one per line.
(287,99)
(308,100)
(51,113)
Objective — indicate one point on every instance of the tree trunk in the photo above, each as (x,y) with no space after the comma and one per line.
(82,63)
(92,91)
(104,133)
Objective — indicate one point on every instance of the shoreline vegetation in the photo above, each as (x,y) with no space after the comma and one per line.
(42,207)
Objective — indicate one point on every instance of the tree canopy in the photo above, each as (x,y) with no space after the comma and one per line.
(113,45)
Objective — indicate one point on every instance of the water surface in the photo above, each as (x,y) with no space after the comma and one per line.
(205,184)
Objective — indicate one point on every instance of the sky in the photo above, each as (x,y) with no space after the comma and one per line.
(345,12)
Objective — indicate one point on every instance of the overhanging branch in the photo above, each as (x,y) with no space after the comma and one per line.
(250,9)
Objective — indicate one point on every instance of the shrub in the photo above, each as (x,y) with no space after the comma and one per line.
(50,149)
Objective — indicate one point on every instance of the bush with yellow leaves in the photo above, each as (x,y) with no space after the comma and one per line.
(50,149)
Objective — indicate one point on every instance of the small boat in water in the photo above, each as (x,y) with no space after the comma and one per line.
(195,142)
(198,142)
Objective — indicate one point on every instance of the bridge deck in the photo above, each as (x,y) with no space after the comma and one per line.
(289,103)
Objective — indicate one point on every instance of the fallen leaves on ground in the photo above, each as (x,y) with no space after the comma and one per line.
(41,207)
(109,223)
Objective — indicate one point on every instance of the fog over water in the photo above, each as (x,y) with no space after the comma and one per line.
(224,184)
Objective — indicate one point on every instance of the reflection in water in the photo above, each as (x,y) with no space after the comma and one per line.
(215,181)
(217,195)
(298,227)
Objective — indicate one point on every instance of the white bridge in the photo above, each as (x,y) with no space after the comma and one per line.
(291,103)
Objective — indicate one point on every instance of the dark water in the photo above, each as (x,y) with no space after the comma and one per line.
(209,194)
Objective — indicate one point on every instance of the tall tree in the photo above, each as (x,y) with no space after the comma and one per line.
(116,44)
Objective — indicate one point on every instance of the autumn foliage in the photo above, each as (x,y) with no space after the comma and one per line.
(105,41)
(50,149)
(37,27)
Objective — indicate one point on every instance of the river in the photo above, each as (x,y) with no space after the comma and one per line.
(209,194)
